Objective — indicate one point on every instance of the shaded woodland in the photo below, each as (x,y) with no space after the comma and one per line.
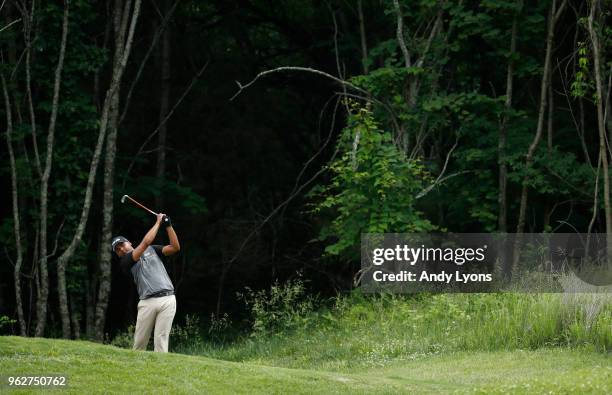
(275,133)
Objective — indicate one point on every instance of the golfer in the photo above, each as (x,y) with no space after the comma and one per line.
(157,304)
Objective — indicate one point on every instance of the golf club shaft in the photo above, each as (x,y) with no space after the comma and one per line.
(149,210)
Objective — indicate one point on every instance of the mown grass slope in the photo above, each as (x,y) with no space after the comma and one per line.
(92,367)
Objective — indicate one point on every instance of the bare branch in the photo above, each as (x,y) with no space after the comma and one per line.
(329,136)
(441,177)
(296,190)
(336,52)
(9,25)
(564,180)
(440,181)
(432,34)
(8,256)
(560,10)
(136,78)
(295,68)
(178,102)
(57,234)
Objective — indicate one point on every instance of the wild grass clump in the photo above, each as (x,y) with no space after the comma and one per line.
(293,329)
(185,338)
(373,330)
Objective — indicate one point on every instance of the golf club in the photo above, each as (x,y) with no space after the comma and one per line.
(137,203)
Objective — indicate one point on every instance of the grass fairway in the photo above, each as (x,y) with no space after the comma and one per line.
(92,367)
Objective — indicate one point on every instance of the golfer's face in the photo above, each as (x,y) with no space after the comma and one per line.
(123,248)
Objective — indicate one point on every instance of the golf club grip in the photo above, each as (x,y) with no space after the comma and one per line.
(149,210)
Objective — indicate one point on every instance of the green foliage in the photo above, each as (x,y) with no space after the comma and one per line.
(281,308)
(458,97)
(475,117)
(373,187)
(6,324)
(383,50)
(386,80)
(583,82)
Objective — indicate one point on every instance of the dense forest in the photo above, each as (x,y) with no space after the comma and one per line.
(275,133)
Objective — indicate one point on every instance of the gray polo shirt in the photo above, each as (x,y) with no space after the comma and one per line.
(149,273)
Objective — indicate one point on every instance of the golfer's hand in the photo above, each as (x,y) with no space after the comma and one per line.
(166,221)
(160,216)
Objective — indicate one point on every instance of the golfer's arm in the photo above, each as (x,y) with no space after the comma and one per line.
(174,245)
(146,241)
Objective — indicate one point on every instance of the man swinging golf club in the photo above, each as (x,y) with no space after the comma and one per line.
(157,304)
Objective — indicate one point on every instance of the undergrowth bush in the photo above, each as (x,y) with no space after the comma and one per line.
(7,325)
(281,308)
(188,337)
(123,339)
(184,338)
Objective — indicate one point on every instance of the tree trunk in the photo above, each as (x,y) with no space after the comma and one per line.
(44,183)
(595,206)
(117,74)
(34,281)
(16,221)
(104,279)
(551,108)
(28,22)
(226,268)
(411,90)
(594,33)
(362,35)
(90,301)
(503,133)
(92,268)
(609,114)
(76,325)
(553,16)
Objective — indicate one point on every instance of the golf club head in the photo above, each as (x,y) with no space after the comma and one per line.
(123,198)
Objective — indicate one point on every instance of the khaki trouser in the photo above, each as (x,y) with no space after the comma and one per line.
(158,312)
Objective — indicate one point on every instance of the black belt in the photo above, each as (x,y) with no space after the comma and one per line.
(160,294)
